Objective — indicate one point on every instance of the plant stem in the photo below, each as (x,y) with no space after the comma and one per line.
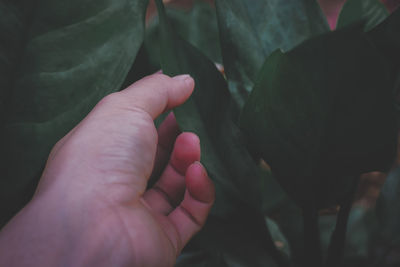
(313,253)
(338,238)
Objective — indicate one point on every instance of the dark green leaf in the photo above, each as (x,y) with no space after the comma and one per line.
(141,67)
(240,241)
(386,243)
(209,113)
(279,239)
(323,113)
(361,223)
(14,17)
(201,259)
(388,209)
(72,54)
(360,227)
(290,221)
(251,30)
(387,39)
(198,26)
(372,12)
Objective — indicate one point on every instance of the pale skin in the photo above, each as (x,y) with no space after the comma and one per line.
(92,208)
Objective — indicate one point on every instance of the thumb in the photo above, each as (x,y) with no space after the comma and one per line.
(157,93)
(119,133)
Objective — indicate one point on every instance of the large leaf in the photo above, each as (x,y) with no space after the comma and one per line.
(69,55)
(235,241)
(251,30)
(201,259)
(198,26)
(386,38)
(322,114)
(372,11)
(209,113)
(14,16)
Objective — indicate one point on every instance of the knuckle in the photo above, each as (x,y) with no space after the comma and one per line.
(161,76)
(110,99)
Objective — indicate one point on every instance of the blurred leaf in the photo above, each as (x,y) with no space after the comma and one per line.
(201,259)
(241,240)
(386,38)
(251,30)
(388,209)
(361,223)
(326,227)
(66,58)
(290,221)
(279,239)
(372,12)
(360,227)
(321,114)
(210,114)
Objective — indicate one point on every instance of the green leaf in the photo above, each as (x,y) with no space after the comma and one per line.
(210,114)
(388,209)
(360,227)
(241,240)
(14,16)
(386,238)
(372,12)
(290,221)
(66,58)
(321,114)
(251,30)
(279,239)
(386,38)
(198,26)
(361,223)
(201,259)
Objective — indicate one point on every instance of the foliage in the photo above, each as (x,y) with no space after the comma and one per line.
(317,105)
(59,59)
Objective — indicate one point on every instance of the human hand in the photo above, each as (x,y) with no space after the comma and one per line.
(91,207)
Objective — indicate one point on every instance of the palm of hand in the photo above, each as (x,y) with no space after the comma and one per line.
(144,228)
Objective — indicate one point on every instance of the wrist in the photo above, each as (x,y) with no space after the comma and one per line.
(48,232)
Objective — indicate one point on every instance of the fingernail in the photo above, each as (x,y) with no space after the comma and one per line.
(186,78)
(181,77)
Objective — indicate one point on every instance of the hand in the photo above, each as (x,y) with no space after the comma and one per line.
(91,207)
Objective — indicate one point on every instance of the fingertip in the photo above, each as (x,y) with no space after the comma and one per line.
(182,91)
(199,184)
(190,216)
(185,79)
(186,151)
